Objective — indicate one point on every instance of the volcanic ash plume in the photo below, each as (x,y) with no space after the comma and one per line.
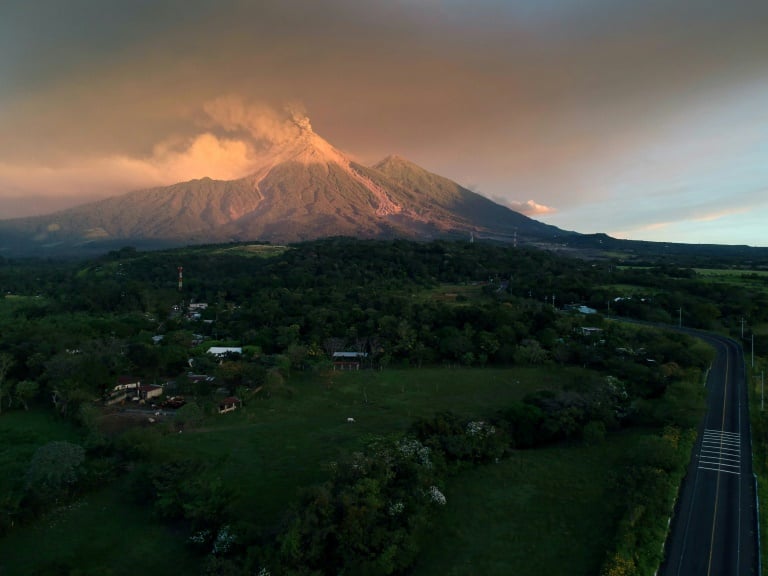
(264,124)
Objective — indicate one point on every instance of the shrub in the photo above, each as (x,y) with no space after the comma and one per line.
(54,471)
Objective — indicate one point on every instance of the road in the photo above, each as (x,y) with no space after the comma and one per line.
(714,529)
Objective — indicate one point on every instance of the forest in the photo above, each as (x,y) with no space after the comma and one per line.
(456,356)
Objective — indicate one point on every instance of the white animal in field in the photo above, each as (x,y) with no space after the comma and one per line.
(350,420)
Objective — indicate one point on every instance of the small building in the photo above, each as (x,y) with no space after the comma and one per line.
(580,308)
(127,383)
(348,360)
(150,391)
(223,351)
(229,404)
(590,330)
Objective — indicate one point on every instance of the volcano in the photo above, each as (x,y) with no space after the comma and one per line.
(302,188)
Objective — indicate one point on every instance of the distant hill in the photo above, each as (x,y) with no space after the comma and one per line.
(303,189)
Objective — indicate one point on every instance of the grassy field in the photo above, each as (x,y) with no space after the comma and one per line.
(104,534)
(728,273)
(21,433)
(544,511)
(275,446)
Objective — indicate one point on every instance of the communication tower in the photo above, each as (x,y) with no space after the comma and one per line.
(181,277)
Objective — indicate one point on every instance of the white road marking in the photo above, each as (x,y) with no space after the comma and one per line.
(720,452)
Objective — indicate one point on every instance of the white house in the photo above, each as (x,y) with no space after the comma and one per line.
(222,351)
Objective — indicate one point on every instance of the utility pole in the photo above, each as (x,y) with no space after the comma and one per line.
(680,317)
(742,328)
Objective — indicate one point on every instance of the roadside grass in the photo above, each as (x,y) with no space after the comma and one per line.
(103,533)
(273,447)
(545,511)
(759,427)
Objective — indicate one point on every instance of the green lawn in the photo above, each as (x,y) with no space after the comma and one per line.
(103,529)
(104,534)
(265,453)
(21,433)
(545,511)
(275,446)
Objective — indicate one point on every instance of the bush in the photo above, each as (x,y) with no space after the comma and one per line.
(593,433)
(54,471)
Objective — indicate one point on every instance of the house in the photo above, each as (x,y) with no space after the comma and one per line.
(348,360)
(580,308)
(223,351)
(127,383)
(150,391)
(229,404)
(590,330)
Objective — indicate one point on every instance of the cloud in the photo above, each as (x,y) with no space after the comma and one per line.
(172,160)
(237,134)
(684,217)
(529,208)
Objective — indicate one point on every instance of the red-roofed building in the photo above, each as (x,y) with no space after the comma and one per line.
(229,404)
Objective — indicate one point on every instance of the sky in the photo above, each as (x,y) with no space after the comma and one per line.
(641,119)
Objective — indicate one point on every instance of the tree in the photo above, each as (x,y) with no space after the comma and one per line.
(25,391)
(6,361)
(55,469)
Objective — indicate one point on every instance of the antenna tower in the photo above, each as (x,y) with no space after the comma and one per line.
(181,277)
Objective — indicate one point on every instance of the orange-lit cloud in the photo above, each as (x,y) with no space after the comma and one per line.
(529,208)
(245,130)
(203,155)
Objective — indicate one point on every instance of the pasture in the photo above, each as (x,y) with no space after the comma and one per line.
(277,445)
(499,520)
(547,511)
(21,433)
(264,453)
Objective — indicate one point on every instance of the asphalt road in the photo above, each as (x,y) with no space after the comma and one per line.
(714,529)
